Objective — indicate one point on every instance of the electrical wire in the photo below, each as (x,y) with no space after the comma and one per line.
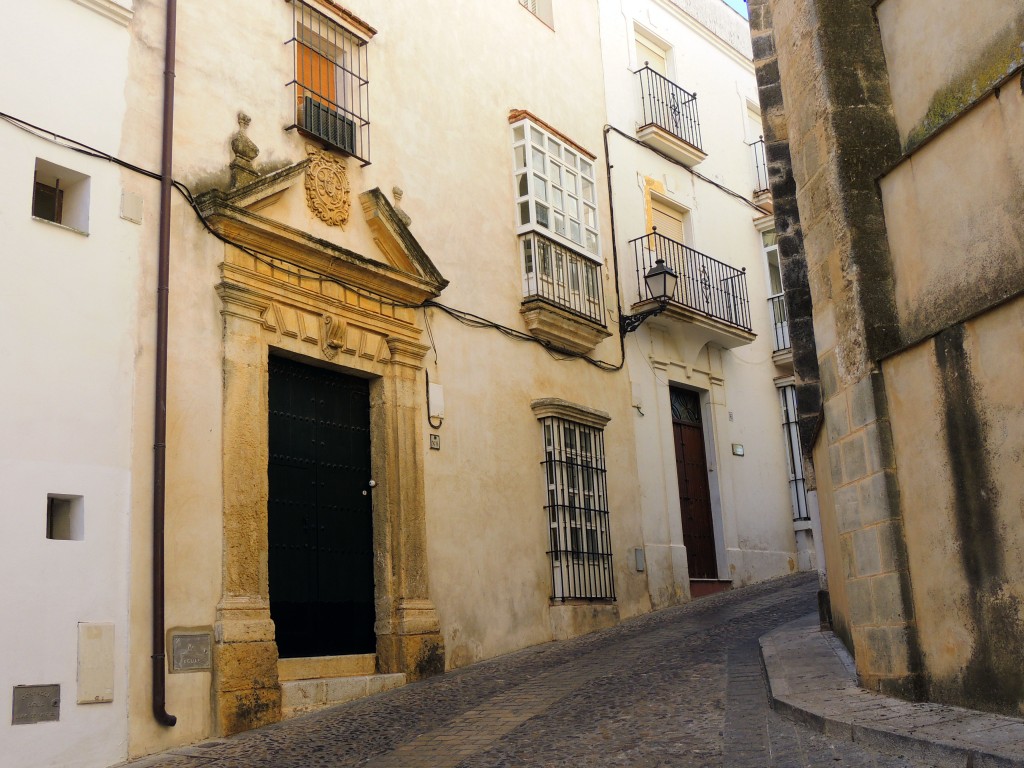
(695,174)
(466,318)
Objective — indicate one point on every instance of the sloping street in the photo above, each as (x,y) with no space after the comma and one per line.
(682,687)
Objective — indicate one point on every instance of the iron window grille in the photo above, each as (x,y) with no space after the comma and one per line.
(330,85)
(580,550)
(794,460)
(563,277)
(760,166)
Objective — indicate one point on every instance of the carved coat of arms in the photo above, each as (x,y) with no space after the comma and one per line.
(327,187)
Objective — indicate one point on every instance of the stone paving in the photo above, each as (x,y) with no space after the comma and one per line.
(682,687)
(814,681)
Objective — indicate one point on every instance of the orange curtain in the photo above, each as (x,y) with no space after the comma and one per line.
(315,74)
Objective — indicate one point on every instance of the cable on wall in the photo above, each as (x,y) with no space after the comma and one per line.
(466,318)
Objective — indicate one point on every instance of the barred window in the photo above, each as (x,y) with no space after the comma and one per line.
(330,83)
(577,511)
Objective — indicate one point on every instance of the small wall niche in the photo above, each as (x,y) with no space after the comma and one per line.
(60,196)
(65,517)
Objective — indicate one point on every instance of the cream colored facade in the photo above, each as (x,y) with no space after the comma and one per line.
(529,497)
(460,541)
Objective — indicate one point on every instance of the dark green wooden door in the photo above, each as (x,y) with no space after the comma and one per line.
(320,514)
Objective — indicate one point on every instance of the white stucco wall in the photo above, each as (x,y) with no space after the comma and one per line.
(68,308)
(750,495)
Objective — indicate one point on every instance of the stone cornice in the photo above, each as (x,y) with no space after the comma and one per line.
(271,238)
(563,409)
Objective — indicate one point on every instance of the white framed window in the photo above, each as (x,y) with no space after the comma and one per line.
(61,196)
(541,9)
(556,192)
(776,295)
(651,54)
(556,220)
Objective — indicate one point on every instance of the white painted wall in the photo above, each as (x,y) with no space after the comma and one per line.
(709,55)
(67,309)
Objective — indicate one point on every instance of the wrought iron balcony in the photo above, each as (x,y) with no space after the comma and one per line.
(706,286)
(780,322)
(670,108)
(760,166)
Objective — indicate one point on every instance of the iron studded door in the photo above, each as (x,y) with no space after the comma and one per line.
(320,514)
(694,491)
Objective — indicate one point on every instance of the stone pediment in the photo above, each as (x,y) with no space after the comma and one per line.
(403,274)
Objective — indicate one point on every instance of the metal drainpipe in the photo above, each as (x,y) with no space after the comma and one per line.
(160,416)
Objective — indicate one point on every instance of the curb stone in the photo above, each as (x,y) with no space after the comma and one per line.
(812,680)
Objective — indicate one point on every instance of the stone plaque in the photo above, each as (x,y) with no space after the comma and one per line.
(191,652)
(35,704)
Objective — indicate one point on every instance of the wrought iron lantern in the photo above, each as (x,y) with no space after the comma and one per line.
(661,284)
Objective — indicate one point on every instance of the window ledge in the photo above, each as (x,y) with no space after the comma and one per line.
(705,327)
(658,138)
(61,226)
(562,329)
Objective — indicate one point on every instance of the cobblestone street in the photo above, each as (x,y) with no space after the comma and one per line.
(682,687)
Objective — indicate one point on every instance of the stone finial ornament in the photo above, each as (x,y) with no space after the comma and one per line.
(327,189)
(244,151)
(397,193)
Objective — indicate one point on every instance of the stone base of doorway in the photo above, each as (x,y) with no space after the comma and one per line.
(705,587)
(311,684)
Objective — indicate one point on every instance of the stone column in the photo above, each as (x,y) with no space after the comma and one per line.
(843,137)
(408,633)
(246,691)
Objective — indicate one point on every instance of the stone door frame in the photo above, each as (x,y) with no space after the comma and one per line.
(331,319)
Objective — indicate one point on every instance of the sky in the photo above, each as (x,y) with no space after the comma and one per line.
(739,5)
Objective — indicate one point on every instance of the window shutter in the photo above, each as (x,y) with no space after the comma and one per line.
(648,52)
(669,221)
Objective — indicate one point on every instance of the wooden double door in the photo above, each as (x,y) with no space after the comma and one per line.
(320,525)
(694,489)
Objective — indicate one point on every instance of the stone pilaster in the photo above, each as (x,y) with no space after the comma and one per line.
(246,691)
(408,633)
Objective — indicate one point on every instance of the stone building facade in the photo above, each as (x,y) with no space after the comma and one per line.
(902,127)
(405,428)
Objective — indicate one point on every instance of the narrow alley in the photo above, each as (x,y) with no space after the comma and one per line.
(682,687)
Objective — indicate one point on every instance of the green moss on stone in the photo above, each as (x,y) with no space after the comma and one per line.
(999,58)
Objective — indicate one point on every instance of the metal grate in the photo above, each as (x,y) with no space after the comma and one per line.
(577,510)
(706,285)
(669,107)
(780,322)
(797,483)
(563,277)
(330,82)
(760,166)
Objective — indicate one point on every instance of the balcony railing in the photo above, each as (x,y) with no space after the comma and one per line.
(669,107)
(780,322)
(562,277)
(760,166)
(705,285)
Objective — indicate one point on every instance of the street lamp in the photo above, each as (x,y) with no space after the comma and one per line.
(661,284)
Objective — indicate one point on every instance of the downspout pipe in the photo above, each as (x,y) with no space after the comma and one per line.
(160,409)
